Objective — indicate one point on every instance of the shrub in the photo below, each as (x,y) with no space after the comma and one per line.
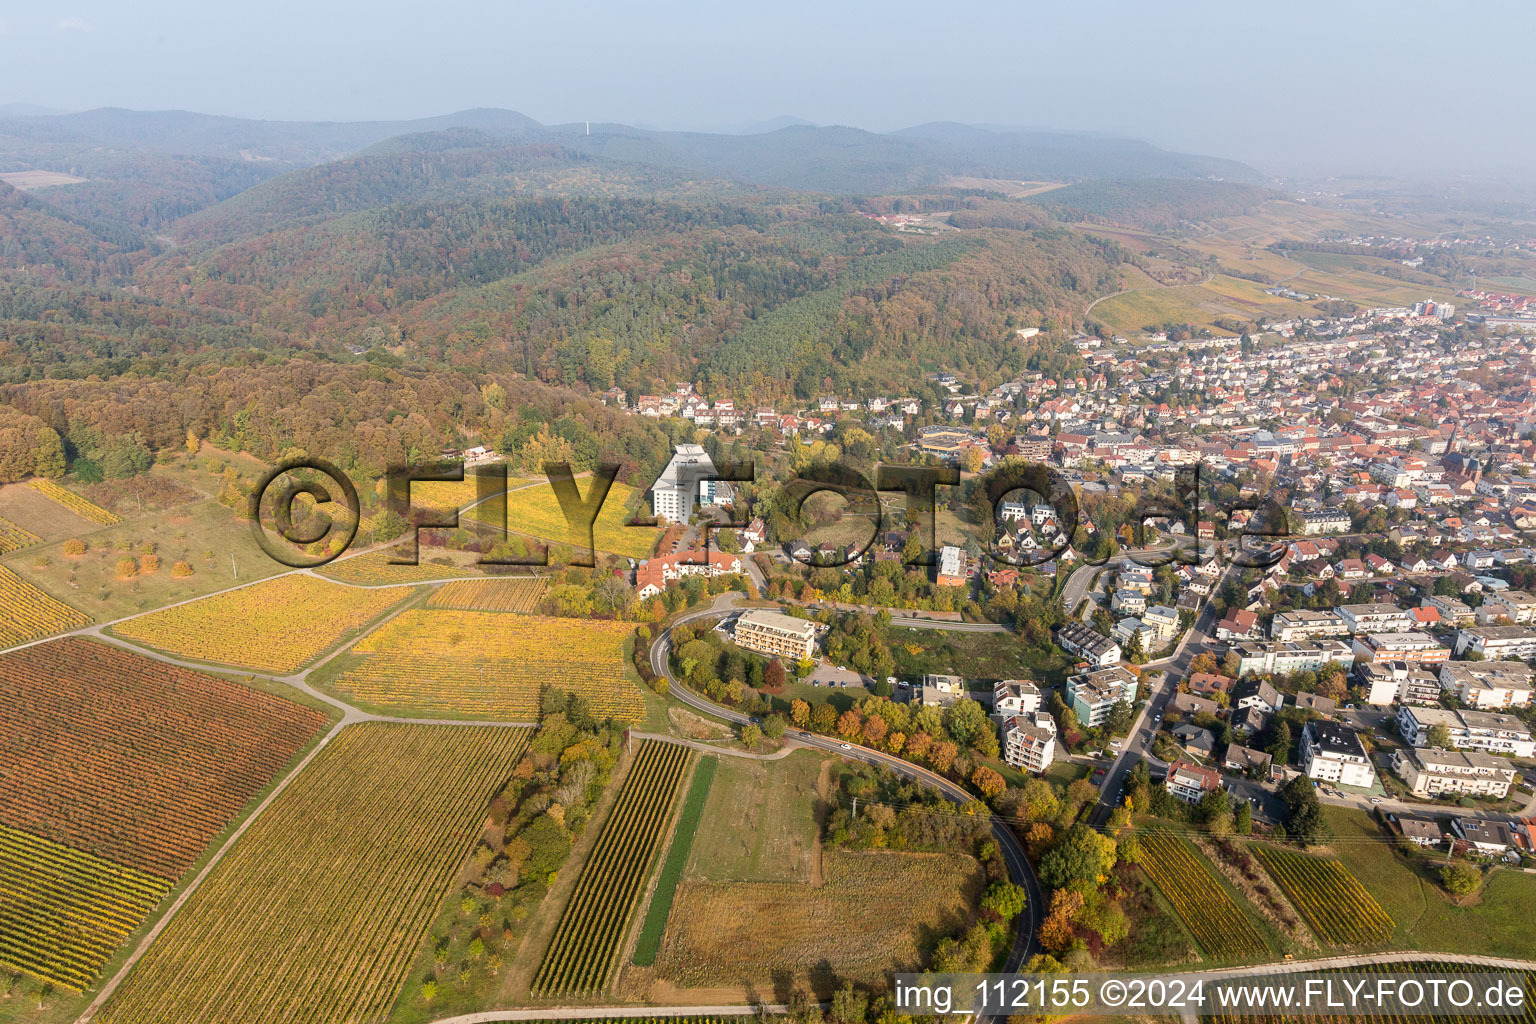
(75,547)
(1460,878)
(181,570)
(127,568)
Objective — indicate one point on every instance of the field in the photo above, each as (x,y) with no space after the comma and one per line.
(876,913)
(32,512)
(1210,914)
(521,594)
(131,759)
(26,613)
(121,770)
(535,511)
(592,926)
(1497,922)
(14,538)
(216,547)
(314,915)
(973,655)
(73,502)
(66,912)
(649,941)
(757,858)
(1334,903)
(489,664)
(373,569)
(27,180)
(275,626)
(762,822)
(1199,304)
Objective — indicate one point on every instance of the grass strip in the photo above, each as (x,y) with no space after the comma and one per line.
(649,942)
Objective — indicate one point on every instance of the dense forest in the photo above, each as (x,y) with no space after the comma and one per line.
(449,286)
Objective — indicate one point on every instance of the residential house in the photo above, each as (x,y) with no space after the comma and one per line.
(1190,782)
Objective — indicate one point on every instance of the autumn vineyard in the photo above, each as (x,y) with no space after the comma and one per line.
(348,865)
(87,510)
(1335,904)
(580,957)
(491,664)
(511,595)
(274,626)
(31,614)
(119,771)
(1212,917)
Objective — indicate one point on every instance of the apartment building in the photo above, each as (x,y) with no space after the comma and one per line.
(1413,648)
(1392,682)
(1081,640)
(1015,697)
(1274,657)
(776,634)
(1029,741)
(1303,624)
(1163,620)
(1497,643)
(1451,610)
(1375,618)
(1327,521)
(1488,684)
(1517,606)
(676,490)
(1092,695)
(1333,753)
(1432,772)
(1469,730)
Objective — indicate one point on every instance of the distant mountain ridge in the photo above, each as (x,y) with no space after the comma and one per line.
(801,156)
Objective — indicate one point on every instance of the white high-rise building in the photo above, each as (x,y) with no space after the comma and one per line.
(677,489)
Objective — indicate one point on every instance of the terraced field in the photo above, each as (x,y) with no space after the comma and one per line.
(26,613)
(520,594)
(66,912)
(580,957)
(274,626)
(313,917)
(491,664)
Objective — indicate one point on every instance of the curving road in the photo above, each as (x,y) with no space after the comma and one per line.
(1024,944)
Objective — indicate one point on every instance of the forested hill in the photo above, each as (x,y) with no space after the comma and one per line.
(238,296)
(458,165)
(1159,203)
(203,155)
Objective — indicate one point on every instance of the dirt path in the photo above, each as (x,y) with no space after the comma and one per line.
(823,805)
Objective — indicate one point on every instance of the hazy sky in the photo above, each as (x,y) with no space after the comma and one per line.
(1396,87)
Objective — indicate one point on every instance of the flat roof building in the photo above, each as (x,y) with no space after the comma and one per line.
(776,634)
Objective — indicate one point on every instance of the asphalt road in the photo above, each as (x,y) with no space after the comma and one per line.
(1138,742)
(1019,869)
